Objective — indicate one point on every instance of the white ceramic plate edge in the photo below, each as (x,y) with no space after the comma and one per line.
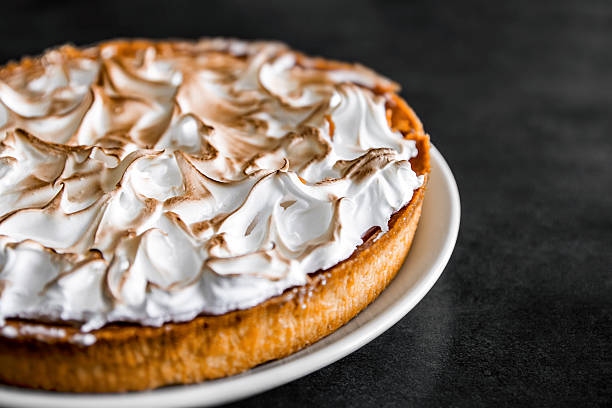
(358,332)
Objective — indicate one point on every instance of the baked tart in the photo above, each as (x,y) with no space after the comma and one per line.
(173,212)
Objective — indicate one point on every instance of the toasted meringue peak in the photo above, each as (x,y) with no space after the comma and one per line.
(155,183)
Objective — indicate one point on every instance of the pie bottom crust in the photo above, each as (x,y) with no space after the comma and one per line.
(127,357)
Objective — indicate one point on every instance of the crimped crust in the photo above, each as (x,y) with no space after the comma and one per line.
(131,357)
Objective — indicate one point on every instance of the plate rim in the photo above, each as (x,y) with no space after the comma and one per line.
(280,372)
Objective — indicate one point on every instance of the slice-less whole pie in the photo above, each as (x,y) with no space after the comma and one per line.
(172,212)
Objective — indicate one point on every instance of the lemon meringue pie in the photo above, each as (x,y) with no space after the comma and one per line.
(172,212)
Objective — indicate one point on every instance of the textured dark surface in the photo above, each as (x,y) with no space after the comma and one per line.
(518,97)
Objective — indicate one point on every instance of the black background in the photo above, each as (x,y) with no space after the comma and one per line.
(517,95)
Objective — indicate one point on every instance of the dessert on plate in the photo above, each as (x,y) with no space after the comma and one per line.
(172,212)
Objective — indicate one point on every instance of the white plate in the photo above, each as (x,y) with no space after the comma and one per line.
(432,247)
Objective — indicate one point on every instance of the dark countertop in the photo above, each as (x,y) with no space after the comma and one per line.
(517,96)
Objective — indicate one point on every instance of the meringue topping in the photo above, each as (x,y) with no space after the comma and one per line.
(155,184)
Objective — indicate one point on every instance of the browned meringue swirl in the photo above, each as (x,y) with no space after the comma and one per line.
(154,182)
